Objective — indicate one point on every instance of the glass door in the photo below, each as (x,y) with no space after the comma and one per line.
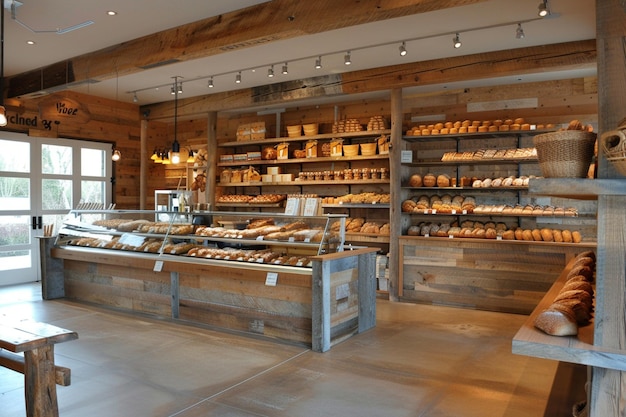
(41,179)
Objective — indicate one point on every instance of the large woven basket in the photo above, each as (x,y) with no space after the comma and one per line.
(565,154)
(613,145)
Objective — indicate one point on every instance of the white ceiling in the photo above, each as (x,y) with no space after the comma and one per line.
(428,36)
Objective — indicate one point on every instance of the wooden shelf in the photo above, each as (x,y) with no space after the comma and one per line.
(366,237)
(429,212)
(363,205)
(530,341)
(305,160)
(582,245)
(271,141)
(300,183)
(467,189)
(577,188)
(477,135)
(492,161)
(250,205)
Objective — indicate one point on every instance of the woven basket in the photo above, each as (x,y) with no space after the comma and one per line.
(614,147)
(565,154)
(351,150)
(368,149)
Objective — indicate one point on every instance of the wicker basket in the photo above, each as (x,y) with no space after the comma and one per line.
(368,149)
(351,150)
(614,147)
(565,154)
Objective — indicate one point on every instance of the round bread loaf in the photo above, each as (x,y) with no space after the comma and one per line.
(443,180)
(429,180)
(415,180)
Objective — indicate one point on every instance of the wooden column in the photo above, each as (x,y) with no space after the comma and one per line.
(212,161)
(143,165)
(608,387)
(395,191)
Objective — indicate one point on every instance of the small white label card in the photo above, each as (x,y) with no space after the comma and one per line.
(271,279)
(406,157)
(158,266)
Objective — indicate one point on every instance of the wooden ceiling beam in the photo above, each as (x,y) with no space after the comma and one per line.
(571,55)
(267,22)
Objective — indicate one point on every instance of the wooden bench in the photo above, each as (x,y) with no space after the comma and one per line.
(36,341)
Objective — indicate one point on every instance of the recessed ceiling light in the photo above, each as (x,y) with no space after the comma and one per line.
(30,42)
(111,12)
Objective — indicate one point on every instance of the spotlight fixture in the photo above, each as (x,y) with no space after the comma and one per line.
(403,49)
(238,78)
(180,88)
(519,33)
(211,82)
(544,10)
(285,70)
(135,98)
(346,59)
(456,41)
(270,72)
(318,62)
(173,91)
(116,155)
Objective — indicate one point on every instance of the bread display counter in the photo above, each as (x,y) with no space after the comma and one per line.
(277,276)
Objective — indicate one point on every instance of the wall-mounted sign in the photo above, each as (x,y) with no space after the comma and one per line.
(55,108)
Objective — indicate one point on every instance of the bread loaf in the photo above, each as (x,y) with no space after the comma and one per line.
(443,180)
(557,321)
(415,180)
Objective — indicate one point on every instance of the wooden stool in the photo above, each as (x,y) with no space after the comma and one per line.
(36,340)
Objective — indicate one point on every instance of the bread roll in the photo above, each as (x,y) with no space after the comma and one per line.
(546,235)
(567,236)
(576,237)
(557,236)
(519,234)
(536,233)
(508,235)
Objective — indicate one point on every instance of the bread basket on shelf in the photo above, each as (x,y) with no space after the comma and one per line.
(368,149)
(613,145)
(351,150)
(566,153)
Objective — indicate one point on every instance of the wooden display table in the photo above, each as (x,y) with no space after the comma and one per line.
(36,341)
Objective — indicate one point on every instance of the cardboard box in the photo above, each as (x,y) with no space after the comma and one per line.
(254,156)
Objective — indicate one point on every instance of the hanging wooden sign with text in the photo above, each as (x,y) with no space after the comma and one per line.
(56,108)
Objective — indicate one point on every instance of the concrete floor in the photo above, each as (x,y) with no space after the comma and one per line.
(420,360)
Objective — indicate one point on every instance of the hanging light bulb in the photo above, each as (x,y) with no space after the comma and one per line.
(318,62)
(403,49)
(180,88)
(457,41)
(238,78)
(116,156)
(135,98)
(191,157)
(544,10)
(211,82)
(347,59)
(285,69)
(270,71)
(519,33)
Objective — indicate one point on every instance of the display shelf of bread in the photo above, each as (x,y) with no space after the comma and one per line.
(573,305)
(362,226)
(431,180)
(366,200)
(470,127)
(243,200)
(492,155)
(473,229)
(458,204)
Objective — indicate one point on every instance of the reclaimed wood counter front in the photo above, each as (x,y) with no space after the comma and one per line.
(318,306)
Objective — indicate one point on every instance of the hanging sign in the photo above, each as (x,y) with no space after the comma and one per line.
(56,107)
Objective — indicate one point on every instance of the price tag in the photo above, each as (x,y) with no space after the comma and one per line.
(158,266)
(499,238)
(453,211)
(427,235)
(464,211)
(450,237)
(259,238)
(291,239)
(435,211)
(425,211)
(307,240)
(271,279)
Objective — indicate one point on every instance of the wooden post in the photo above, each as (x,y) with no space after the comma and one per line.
(608,386)
(212,161)
(143,165)
(395,191)
(40,383)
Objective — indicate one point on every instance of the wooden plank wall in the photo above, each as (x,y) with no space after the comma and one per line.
(494,276)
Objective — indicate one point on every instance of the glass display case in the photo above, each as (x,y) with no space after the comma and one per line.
(267,238)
